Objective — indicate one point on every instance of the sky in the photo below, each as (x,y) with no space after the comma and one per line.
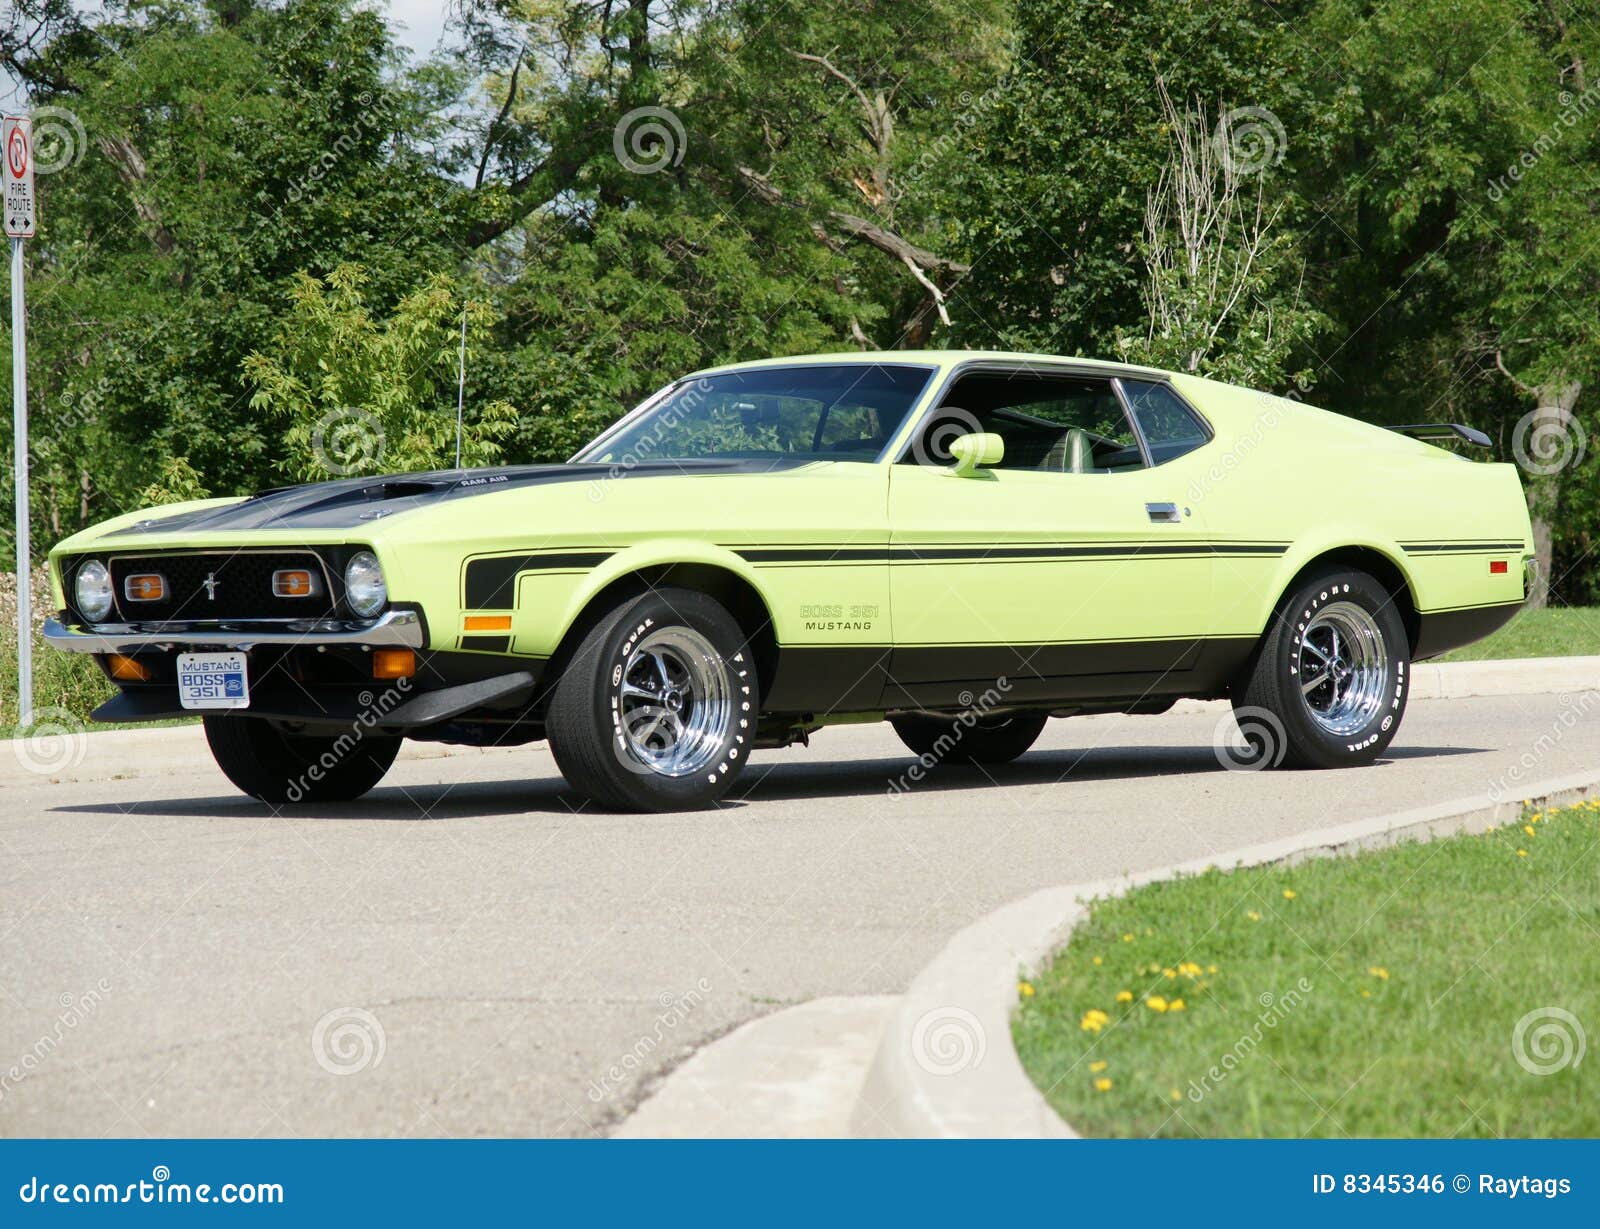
(418,25)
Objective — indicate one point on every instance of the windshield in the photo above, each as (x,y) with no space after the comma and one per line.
(843,412)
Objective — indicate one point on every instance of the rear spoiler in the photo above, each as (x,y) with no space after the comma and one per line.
(1445,431)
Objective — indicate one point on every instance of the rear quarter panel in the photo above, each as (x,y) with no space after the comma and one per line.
(1283,471)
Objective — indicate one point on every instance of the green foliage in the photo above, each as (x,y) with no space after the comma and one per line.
(627,192)
(366,396)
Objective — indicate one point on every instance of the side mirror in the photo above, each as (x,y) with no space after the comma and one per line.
(974,449)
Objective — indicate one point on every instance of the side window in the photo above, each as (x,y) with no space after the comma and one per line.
(1169,426)
(1060,424)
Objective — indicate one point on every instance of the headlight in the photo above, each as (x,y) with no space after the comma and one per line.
(94,591)
(364,589)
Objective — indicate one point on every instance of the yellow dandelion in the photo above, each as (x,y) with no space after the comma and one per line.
(1124,996)
(1156,1003)
(1098,1066)
(1378,971)
(1528,828)
(1522,853)
(1175,1095)
(1025,989)
(1211,968)
(1127,938)
(1175,1005)
(1169,974)
(1366,994)
(1099,959)
(1288,894)
(1094,1020)
(1103,1084)
(1189,969)
(1252,915)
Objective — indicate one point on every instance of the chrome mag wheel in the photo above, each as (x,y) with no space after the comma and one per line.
(676,705)
(1343,668)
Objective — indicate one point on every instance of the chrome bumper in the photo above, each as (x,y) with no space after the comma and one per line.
(401,628)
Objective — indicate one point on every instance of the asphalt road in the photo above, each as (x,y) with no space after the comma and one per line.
(467,953)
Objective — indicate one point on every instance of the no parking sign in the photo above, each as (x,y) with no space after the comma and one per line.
(21,206)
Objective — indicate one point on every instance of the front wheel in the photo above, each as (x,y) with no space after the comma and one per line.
(964,738)
(274,766)
(1328,687)
(656,710)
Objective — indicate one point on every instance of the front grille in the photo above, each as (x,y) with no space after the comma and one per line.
(240,588)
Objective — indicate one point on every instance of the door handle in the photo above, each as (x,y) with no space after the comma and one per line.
(1163,514)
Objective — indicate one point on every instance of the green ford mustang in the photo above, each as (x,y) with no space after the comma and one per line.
(962,543)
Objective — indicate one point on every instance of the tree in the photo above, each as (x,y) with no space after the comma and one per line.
(1222,291)
(365,396)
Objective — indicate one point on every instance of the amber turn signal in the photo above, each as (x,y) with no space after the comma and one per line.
(145,587)
(294,582)
(488,623)
(393,663)
(126,669)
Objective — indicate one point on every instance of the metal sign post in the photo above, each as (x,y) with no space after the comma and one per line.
(20,215)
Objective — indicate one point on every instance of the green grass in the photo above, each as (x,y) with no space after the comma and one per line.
(1568,631)
(1374,995)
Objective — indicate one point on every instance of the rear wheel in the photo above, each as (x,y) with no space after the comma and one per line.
(656,710)
(274,766)
(963,738)
(1328,686)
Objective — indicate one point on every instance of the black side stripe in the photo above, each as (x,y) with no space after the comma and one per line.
(490,584)
(914,554)
(1445,548)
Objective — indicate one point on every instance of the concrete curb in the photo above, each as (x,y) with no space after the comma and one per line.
(107,754)
(946,1066)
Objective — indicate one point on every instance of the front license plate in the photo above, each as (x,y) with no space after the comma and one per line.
(213,680)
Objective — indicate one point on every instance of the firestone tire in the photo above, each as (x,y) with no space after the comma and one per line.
(656,710)
(276,767)
(963,739)
(1328,686)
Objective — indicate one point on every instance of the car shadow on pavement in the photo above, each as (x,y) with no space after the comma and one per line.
(763,781)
